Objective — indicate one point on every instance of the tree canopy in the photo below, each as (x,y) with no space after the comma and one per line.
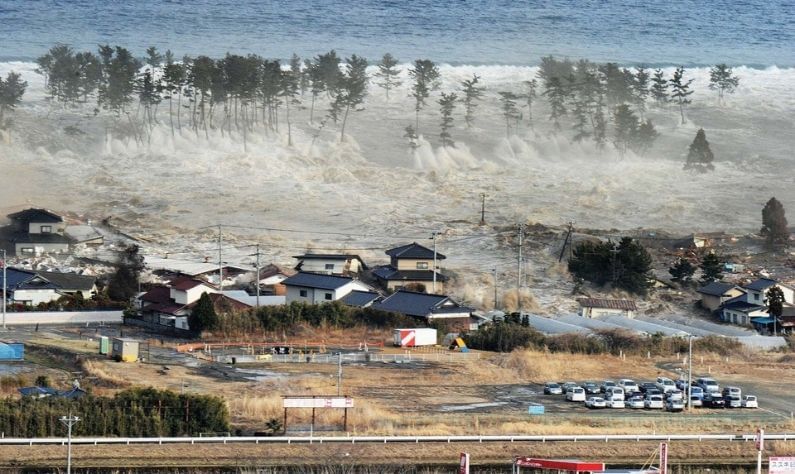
(774,223)
(626,265)
(699,155)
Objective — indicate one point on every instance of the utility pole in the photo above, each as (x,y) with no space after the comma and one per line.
(5,286)
(257,283)
(220,263)
(614,253)
(690,374)
(519,260)
(69,421)
(482,208)
(339,375)
(494,270)
(433,236)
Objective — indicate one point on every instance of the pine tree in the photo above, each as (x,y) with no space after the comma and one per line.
(353,87)
(411,134)
(626,265)
(680,90)
(722,79)
(426,77)
(291,84)
(640,88)
(11,91)
(509,111)
(447,104)
(774,223)
(711,267)
(659,87)
(700,157)
(582,122)
(556,96)
(203,316)
(775,304)
(472,93)
(682,271)
(388,74)
(644,137)
(529,97)
(625,125)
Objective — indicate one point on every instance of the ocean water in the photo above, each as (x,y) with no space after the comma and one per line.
(757,33)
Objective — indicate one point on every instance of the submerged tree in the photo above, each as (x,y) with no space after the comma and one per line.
(680,90)
(446,106)
(529,97)
(699,156)
(353,87)
(124,282)
(626,265)
(711,267)
(640,89)
(625,126)
(510,111)
(722,79)
(472,93)
(426,76)
(388,74)
(659,87)
(116,91)
(11,91)
(556,95)
(774,223)
(682,271)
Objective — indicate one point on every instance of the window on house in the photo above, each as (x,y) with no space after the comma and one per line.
(27,250)
(329,266)
(329,296)
(303,293)
(46,229)
(756,296)
(422,265)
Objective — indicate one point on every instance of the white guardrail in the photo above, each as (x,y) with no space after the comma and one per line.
(397,439)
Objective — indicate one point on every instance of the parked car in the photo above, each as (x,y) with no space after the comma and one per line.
(749,401)
(674,405)
(708,384)
(681,384)
(552,388)
(576,394)
(591,388)
(654,402)
(696,391)
(733,402)
(732,392)
(713,400)
(646,386)
(596,402)
(695,401)
(615,393)
(636,402)
(607,384)
(674,395)
(615,404)
(628,385)
(567,385)
(664,384)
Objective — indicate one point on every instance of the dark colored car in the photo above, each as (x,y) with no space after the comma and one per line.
(646,386)
(714,401)
(591,388)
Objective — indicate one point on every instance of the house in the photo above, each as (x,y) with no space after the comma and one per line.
(430,307)
(599,307)
(316,288)
(714,294)
(207,271)
(786,322)
(27,288)
(411,267)
(271,280)
(72,283)
(757,291)
(330,264)
(360,299)
(171,305)
(740,311)
(251,300)
(35,232)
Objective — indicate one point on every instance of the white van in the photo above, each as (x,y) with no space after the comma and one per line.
(708,384)
(665,385)
(614,393)
(576,394)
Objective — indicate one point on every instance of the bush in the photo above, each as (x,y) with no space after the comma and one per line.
(504,336)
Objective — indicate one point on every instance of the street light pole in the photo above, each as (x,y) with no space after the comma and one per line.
(339,375)
(69,421)
(5,286)
(690,374)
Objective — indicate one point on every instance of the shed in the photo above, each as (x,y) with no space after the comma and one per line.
(12,351)
(124,350)
(598,307)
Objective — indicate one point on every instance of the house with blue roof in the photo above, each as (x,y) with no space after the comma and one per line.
(411,267)
(746,305)
(430,307)
(28,288)
(315,288)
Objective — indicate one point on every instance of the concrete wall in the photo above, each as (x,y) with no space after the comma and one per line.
(317,296)
(38,249)
(63,317)
(411,263)
(34,297)
(394,285)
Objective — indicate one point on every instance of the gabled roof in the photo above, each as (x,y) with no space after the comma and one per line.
(413,303)
(16,277)
(69,281)
(389,273)
(762,284)
(331,256)
(187,283)
(716,288)
(740,304)
(158,294)
(625,305)
(360,298)
(35,215)
(50,238)
(317,280)
(413,250)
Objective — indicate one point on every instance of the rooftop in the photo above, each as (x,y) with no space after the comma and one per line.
(413,250)
(387,272)
(625,305)
(413,303)
(360,298)
(69,281)
(761,284)
(317,280)
(35,215)
(715,288)
(187,283)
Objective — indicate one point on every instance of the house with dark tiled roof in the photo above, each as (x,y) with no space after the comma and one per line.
(330,264)
(598,307)
(31,288)
(430,307)
(171,305)
(757,290)
(714,294)
(411,267)
(315,288)
(361,299)
(35,232)
(740,311)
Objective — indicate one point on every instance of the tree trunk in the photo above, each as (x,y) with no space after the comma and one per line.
(344,121)
(171,115)
(312,109)
(289,125)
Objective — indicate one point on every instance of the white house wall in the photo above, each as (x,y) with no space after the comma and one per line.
(34,297)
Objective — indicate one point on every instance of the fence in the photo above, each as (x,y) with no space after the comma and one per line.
(63,317)
(159,328)
(348,358)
